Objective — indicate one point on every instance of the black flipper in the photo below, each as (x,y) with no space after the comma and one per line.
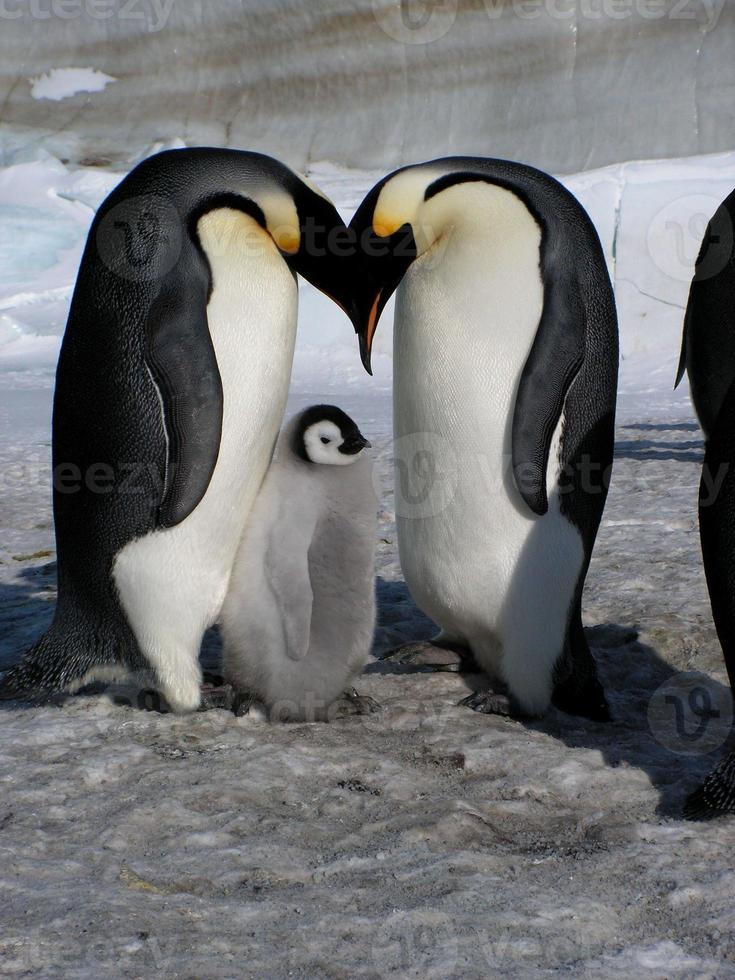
(183,364)
(558,350)
(681,369)
(555,359)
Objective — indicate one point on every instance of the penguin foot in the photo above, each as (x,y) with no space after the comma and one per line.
(494,703)
(217,696)
(150,700)
(216,692)
(425,656)
(242,702)
(352,703)
(588,701)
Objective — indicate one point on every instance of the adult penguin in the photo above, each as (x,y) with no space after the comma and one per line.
(170,390)
(505,374)
(708,357)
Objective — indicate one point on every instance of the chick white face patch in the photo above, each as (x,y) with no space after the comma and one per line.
(322,442)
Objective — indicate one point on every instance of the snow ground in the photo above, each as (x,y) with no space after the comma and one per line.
(425,841)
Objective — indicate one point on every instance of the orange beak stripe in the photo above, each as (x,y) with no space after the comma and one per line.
(372,323)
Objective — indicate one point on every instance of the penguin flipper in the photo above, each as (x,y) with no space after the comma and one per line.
(183,364)
(287,571)
(554,361)
(682,367)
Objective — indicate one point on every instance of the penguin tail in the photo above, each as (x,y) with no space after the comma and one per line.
(716,796)
(63,659)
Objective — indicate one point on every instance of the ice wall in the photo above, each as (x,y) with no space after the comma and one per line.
(565,84)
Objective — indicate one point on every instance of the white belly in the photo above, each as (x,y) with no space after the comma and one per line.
(172,582)
(476,559)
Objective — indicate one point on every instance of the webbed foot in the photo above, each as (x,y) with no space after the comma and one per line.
(494,703)
(425,656)
(352,703)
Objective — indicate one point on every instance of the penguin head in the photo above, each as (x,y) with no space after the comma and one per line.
(292,212)
(405,218)
(316,244)
(325,434)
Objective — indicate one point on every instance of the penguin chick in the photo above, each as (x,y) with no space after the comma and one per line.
(298,619)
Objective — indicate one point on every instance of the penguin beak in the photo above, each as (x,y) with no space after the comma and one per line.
(384,260)
(355,444)
(365,312)
(366,335)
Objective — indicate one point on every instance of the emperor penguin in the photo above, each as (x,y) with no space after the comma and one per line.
(298,619)
(505,365)
(170,390)
(708,358)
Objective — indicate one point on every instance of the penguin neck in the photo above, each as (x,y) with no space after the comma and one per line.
(481,225)
(467,313)
(251,314)
(485,262)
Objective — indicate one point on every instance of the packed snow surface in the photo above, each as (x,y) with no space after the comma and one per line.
(426,840)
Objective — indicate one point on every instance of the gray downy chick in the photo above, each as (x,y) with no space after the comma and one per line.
(299,616)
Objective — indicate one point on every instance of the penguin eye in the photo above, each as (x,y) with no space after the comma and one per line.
(325,440)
